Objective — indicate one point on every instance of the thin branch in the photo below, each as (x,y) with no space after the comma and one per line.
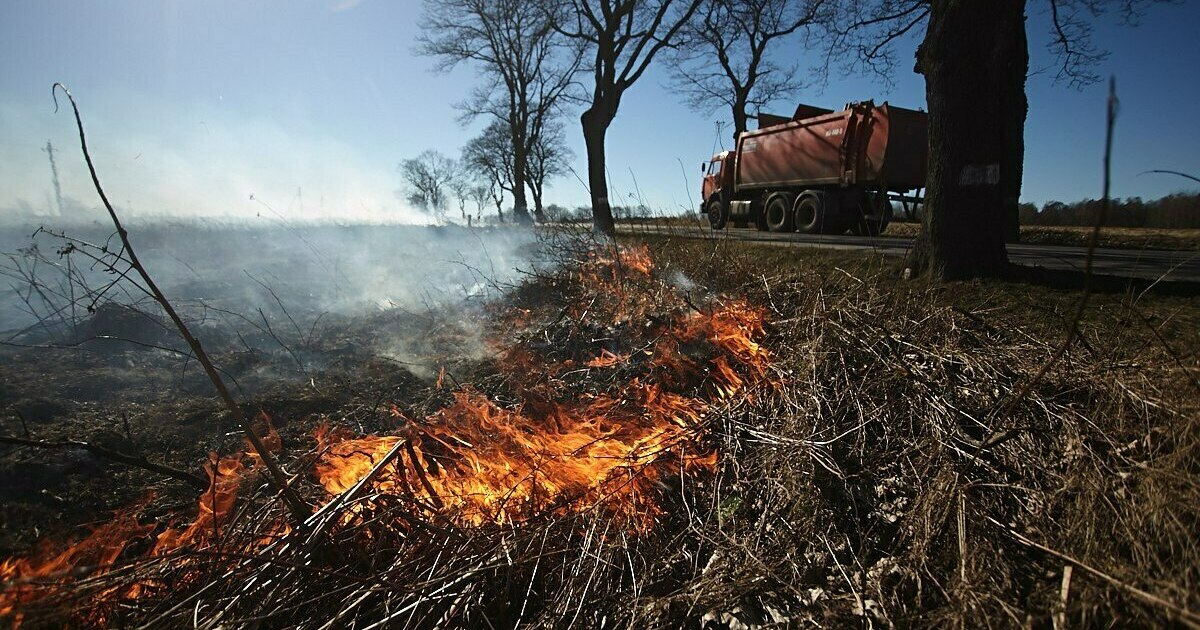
(137,461)
(296,505)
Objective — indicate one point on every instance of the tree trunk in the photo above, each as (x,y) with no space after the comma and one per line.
(974,59)
(520,206)
(1017,108)
(595,128)
(740,123)
(500,208)
(535,189)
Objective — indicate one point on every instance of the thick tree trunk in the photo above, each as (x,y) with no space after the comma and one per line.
(595,128)
(974,59)
(1016,108)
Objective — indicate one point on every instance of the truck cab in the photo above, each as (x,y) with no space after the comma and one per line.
(716,187)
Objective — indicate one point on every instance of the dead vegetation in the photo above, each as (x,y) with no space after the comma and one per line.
(702,434)
(1168,239)
(898,471)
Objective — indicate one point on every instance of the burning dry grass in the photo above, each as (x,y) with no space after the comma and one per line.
(570,434)
(639,455)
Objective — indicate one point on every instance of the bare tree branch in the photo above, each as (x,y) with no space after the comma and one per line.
(740,35)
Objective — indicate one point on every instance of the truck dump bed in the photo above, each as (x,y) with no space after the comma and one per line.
(865,145)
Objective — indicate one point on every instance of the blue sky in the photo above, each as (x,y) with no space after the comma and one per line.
(308,105)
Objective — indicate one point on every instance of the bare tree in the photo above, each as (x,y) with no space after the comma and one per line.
(547,160)
(725,58)
(427,178)
(485,193)
(461,182)
(975,59)
(622,38)
(527,69)
(489,156)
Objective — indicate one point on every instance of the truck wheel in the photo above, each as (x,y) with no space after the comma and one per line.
(716,214)
(779,215)
(810,214)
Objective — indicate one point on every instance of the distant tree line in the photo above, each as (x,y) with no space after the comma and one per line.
(562,214)
(1177,211)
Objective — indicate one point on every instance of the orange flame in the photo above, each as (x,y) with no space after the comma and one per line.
(477,463)
(482,464)
(225,478)
(47,570)
(31,578)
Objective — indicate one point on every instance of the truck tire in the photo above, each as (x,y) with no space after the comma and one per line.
(778,213)
(810,214)
(717,217)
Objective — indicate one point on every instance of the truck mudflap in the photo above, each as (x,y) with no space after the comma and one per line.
(876,208)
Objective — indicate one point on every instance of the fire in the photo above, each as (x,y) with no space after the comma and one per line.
(551,449)
(31,578)
(213,508)
(476,462)
(47,570)
(482,464)
(636,258)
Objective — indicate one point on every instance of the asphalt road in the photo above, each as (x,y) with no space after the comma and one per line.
(1130,263)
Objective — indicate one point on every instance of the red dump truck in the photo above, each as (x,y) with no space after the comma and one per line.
(820,171)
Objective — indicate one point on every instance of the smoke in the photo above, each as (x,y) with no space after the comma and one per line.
(263,234)
(680,281)
(277,286)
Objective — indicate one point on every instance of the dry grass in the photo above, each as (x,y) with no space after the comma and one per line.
(899,477)
(882,473)
(1077,236)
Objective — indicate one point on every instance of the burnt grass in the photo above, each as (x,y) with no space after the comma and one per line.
(912,470)
(149,402)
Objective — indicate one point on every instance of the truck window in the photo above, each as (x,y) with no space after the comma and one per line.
(714,168)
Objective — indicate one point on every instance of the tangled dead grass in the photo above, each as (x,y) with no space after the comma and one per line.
(880,472)
(897,478)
